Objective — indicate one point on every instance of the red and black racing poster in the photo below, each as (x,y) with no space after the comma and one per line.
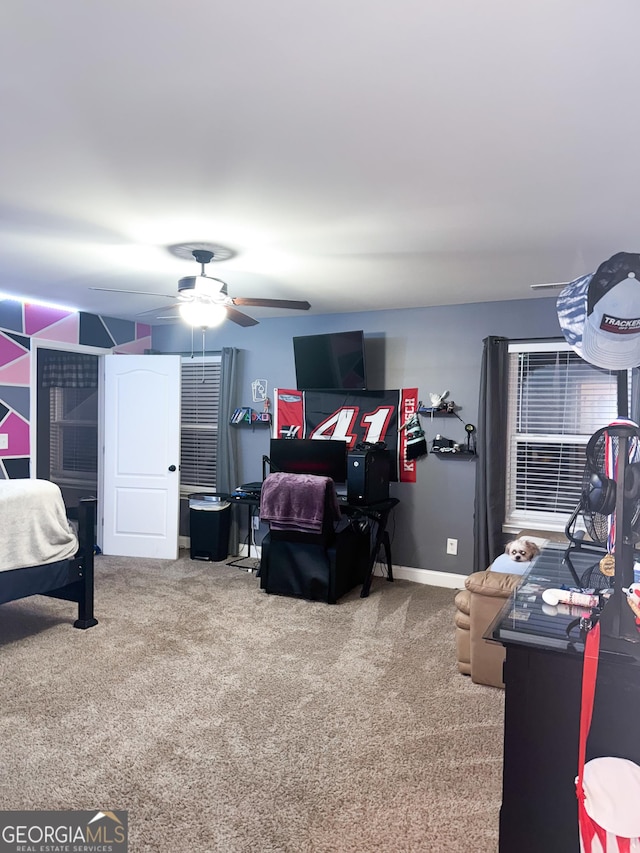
(351,416)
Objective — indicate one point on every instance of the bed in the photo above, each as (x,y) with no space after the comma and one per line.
(40,551)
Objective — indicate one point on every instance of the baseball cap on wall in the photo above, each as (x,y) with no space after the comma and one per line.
(572,311)
(599,314)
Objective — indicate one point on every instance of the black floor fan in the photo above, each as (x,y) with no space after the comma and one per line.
(592,578)
(598,508)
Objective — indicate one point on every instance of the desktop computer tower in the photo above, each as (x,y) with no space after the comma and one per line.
(368,476)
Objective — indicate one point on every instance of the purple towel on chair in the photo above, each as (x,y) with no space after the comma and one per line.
(298,502)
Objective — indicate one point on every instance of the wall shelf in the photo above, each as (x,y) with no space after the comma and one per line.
(441,412)
(466,449)
(455,454)
(246,416)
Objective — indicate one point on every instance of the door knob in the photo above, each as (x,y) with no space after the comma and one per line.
(172,467)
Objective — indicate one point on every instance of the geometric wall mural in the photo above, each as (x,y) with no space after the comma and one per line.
(15,436)
(20,323)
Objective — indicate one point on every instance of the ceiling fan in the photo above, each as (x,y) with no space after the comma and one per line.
(204,301)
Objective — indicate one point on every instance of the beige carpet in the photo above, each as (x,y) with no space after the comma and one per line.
(227,720)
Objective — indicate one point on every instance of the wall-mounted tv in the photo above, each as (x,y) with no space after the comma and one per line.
(330,362)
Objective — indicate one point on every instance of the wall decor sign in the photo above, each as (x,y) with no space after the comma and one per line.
(353,416)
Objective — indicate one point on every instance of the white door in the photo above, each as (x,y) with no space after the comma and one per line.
(141,455)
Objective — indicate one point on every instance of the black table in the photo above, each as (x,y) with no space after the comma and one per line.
(378,515)
(543,677)
(252,502)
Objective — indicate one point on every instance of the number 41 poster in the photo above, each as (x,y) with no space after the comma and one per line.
(351,416)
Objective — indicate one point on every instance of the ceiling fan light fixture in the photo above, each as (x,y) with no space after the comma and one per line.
(206,285)
(202,314)
(202,285)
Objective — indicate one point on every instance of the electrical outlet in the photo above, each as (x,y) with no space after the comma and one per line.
(452,546)
(255,520)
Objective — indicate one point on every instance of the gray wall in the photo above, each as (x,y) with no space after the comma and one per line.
(433,349)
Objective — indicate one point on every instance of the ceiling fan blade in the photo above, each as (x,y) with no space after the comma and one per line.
(138,292)
(550,286)
(240,318)
(155,310)
(300,305)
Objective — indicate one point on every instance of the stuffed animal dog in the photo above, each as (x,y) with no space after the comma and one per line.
(522,550)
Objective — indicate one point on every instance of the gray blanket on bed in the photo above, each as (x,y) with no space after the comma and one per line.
(34,528)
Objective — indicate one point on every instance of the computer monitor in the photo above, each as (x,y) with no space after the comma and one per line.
(323,457)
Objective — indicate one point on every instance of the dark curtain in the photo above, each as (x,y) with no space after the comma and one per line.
(488,539)
(227,457)
(68,370)
(634,409)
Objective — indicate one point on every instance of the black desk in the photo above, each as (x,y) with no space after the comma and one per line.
(252,502)
(378,514)
(543,677)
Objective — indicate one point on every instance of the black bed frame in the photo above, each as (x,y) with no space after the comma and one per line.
(71,580)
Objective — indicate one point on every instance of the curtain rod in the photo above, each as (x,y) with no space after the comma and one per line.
(535,340)
(187,353)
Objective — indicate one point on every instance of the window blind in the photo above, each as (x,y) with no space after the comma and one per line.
(200,401)
(556,402)
(73,445)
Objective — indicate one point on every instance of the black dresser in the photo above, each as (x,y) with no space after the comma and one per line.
(543,677)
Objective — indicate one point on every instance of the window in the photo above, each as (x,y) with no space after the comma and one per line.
(73,448)
(556,402)
(200,400)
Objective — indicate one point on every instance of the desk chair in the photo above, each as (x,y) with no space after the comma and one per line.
(318,566)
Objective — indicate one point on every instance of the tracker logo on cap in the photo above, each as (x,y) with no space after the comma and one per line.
(618,326)
(599,314)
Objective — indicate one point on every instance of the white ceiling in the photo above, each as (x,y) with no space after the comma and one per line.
(361,154)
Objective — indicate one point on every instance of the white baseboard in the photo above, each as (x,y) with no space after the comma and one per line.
(448,580)
(428,576)
(256,552)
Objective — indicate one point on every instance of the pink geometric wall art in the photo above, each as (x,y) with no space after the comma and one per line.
(21,321)
(38,317)
(64,330)
(9,350)
(134,347)
(17,372)
(17,431)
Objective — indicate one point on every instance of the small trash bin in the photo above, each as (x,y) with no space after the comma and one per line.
(209,527)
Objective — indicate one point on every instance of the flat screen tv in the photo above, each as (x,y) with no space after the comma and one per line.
(323,457)
(330,362)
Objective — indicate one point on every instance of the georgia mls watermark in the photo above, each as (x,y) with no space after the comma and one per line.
(63,832)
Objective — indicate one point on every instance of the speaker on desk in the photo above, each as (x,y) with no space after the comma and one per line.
(368,476)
